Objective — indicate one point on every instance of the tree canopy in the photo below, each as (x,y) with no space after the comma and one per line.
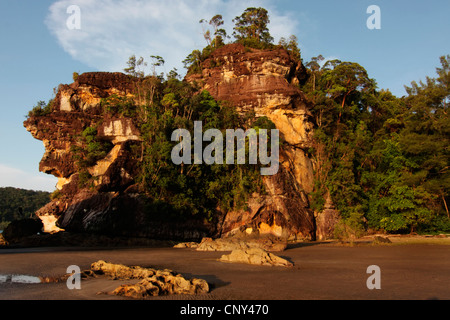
(384,160)
(252,25)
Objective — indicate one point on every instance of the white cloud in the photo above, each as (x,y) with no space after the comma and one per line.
(13,177)
(112,30)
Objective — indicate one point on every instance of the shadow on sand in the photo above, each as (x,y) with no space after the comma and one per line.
(213,281)
(305,244)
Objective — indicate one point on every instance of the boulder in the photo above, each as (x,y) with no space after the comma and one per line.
(255,256)
(186,245)
(230,244)
(380,239)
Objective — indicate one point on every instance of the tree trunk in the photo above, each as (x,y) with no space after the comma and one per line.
(445,204)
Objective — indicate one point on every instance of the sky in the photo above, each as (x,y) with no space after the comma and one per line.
(42,44)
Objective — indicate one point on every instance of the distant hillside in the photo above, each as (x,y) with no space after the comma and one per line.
(19,203)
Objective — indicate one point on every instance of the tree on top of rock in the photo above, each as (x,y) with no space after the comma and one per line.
(219,33)
(251,27)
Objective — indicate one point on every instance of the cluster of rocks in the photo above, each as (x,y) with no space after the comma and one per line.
(152,282)
(252,251)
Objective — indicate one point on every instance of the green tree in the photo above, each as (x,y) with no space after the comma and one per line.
(157,61)
(252,25)
(220,34)
(135,67)
(193,62)
(42,108)
(314,67)
(425,137)
(291,45)
(384,160)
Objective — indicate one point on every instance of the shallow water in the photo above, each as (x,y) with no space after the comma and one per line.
(18,278)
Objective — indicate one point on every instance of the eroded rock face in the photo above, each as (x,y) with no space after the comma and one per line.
(112,206)
(264,82)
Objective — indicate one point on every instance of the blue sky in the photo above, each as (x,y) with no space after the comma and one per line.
(38,51)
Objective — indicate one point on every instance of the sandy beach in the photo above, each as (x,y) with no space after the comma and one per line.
(321,271)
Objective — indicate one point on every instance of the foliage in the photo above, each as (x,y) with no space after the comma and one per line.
(117,105)
(88,150)
(42,108)
(18,204)
(193,61)
(291,45)
(135,67)
(251,27)
(251,30)
(190,189)
(384,160)
(219,34)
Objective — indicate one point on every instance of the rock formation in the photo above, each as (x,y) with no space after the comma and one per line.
(152,282)
(258,81)
(112,206)
(255,256)
(233,243)
(263,82)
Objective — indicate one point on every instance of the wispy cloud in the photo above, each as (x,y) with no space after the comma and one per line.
(13,177)
(112,30)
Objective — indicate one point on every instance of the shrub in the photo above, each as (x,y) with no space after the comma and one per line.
(41,109)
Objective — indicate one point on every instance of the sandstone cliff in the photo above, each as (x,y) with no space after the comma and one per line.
(265,82)
(251,80)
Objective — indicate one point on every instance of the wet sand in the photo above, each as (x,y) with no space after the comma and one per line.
(321,271)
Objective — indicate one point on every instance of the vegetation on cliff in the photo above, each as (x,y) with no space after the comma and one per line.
(190,189)
(384,160)
(158,108)
(250,29)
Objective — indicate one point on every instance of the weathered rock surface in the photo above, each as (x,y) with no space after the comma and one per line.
(153,282)
(256,256)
